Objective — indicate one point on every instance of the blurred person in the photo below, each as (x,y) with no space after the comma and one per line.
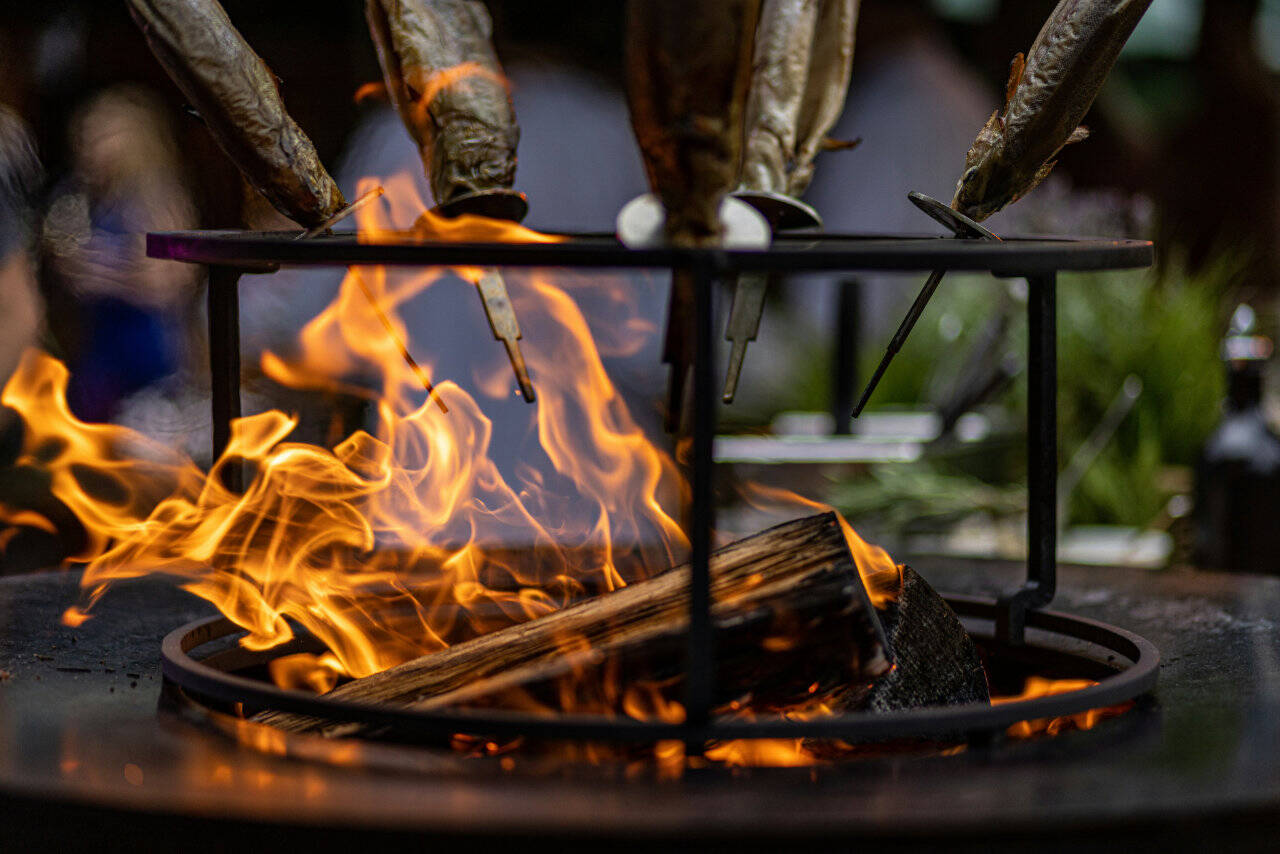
(21,309)
(127,313)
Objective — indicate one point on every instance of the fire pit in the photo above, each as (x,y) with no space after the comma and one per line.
(87,757)
(1038,260)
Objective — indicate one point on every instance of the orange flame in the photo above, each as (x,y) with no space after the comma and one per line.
(404,537)
(1037,686)
(428,84)
(881,575)
(400,539)
(374,90)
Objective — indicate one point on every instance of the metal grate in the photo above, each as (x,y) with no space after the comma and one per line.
(230,254)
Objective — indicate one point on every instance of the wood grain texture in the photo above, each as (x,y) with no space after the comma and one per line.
(789,609)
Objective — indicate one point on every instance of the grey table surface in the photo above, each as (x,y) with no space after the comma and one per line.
(80,729)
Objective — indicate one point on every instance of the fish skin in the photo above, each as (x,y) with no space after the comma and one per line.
(1045,102)
(688,67)
(466,131)
(779,75)
(829,70)
(799,79)
(239,101)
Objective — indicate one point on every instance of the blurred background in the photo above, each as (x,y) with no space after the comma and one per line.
(1166,452)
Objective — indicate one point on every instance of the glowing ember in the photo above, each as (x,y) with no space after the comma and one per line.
(1037,686)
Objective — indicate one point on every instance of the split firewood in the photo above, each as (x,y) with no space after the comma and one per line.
(790,610)
(237,98)
(936,661)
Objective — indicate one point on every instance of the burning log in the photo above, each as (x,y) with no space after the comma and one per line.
(936,662)
(790,611)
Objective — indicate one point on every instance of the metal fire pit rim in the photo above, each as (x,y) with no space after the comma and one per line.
(264,251)
(972,720)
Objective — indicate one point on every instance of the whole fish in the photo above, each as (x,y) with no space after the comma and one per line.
(444,78)
(237,98)
(1046,97)
(824,97)
(1048,93)
(688,67)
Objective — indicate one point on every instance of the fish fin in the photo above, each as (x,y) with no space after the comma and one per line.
(830,144)
(1041,174)
(1016,69)
(994,125)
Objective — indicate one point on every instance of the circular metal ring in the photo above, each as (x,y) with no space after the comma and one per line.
(199,679)
(950,218)
(788,253)
(784,213)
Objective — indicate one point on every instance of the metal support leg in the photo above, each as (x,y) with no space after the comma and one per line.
(848,320)
(1042,461)
(224,363)
(701,521)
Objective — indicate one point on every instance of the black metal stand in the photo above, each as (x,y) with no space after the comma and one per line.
(224,363)
(700,675)
(844,392)
(1042,461)
(1039,260)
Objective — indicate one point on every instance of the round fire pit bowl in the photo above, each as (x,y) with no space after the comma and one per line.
(1124,664)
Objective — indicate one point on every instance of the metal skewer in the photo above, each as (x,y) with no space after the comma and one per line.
(641,224)
(781,212)
(498,203)
(368,197)
(404,350)
(962,227)
(342,214)
(505,326)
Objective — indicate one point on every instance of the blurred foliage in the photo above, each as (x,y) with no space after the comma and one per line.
(897,498)
(1164,327)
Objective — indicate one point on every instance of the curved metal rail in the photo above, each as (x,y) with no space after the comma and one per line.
(200,679)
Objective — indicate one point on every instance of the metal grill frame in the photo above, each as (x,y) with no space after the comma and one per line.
(230,254)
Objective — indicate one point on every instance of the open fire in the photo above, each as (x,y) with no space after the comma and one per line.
(407,538)
(404,538)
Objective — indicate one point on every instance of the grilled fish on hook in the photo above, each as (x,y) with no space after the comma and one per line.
(803,57)
(800,75)
(1046,97)
(443,76)
(238,99)
(688,67)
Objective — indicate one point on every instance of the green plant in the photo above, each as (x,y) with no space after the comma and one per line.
(1164,328)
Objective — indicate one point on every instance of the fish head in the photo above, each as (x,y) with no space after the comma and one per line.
(985,186)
